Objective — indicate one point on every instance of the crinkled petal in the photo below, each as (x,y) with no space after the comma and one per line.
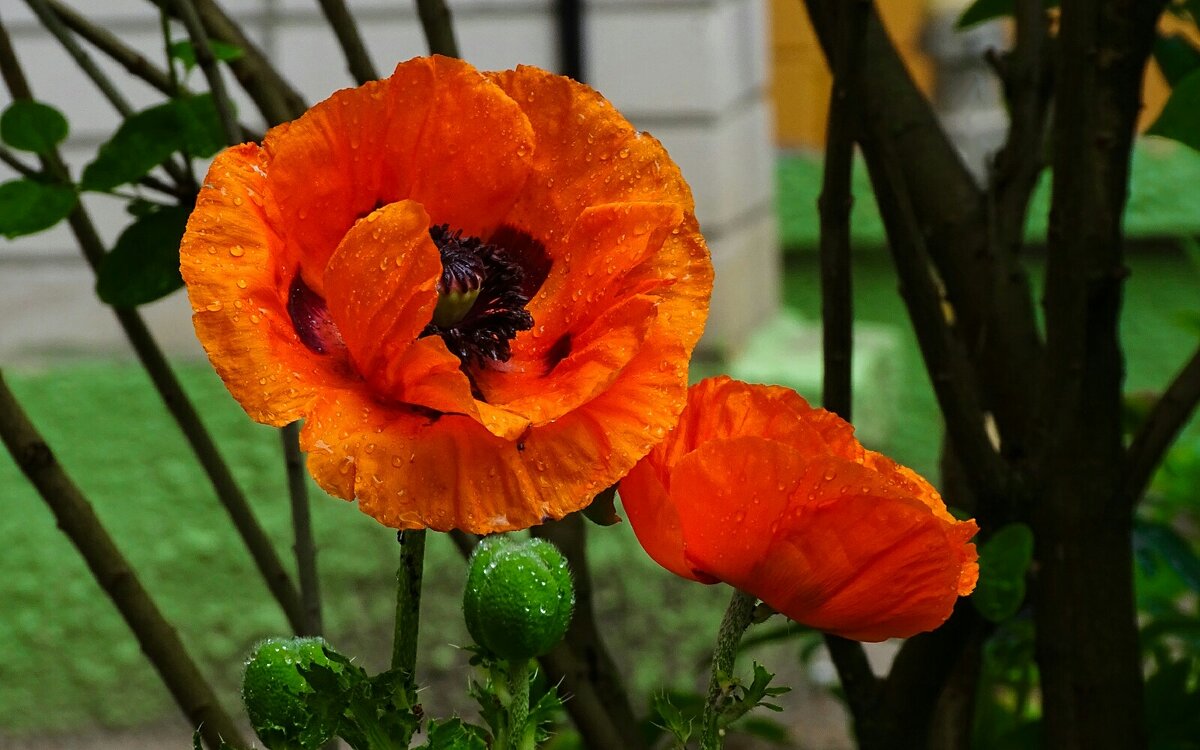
(232,263)
(437,131)
(836,548)
(655,520)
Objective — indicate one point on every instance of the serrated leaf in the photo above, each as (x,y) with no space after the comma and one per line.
(454,734)
(1180,118)
(987,10)
(33,126)
(29,207)
(148,138)
(673,718)
(1003,560)
(1176,57)
(144,264)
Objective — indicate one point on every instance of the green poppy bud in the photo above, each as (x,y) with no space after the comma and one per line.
(273,690)
(519,596)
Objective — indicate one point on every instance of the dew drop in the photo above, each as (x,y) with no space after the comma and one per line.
(237,251)
(241,283)
(214,306)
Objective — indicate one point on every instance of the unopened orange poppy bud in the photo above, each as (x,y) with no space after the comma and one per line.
(760,490)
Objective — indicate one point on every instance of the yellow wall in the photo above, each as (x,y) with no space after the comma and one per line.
(801,81)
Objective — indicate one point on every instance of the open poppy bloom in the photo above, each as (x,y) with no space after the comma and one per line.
(760,490)
(479,290)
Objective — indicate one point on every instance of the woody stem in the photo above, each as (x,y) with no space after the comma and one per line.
(737,619)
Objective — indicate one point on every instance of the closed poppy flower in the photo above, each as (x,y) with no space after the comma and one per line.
(480,292)
(758,489)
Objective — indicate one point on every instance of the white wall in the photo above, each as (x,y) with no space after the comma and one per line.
(692,72)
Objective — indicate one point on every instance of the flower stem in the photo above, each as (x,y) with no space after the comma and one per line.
(737,619)
(302,532)
(408,600)
(518,709)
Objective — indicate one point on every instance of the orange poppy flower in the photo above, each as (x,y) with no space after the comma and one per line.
(760,490)
(479,290)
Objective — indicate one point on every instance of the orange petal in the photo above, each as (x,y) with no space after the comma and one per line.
(655,521)
(230,260)
(436,131)
(587,154)
(410,470)
(845,553)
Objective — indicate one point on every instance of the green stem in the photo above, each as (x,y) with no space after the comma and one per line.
(408,600)
(518,709)
(737,619)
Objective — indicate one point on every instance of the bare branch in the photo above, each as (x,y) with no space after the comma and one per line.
(351,41)
(439,31)
(186,10)
(112,571)
(165,382)
(1167,417)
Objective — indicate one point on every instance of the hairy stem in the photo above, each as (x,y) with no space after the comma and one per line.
(408,600)
(733,624)
(112,571)
(302,533)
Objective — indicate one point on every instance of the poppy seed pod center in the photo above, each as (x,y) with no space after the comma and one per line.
(481,303)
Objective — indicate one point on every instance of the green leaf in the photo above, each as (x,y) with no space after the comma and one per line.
(1153,539)
(148,138)
(674,720)
(1180,119)
(28,206)
(185,52)
(986,10)
(1176,57)
(454,734)
(1003,560)
(32,126)
(144,264)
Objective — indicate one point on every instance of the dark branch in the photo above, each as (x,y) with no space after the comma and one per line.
(165,382)
(1162,425)
(112,571)
(351,41)
(186,9)
(439,31)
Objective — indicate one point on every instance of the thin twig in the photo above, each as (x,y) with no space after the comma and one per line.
(76,518)
(108,43)
(408,600)
(212,72)
(439,31)
(303,544)
(275,98)
(165,382)
(350,40)
(837,315)
(1162,425)
(179,172)
(14,161)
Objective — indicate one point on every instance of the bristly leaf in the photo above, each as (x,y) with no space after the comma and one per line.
(184,52)
(746,699)
(33,126)
(148,138)
(454,734)
(28,206)
(674,719)
(144,264)
(197,745)
(1180,118)
(1003,560)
